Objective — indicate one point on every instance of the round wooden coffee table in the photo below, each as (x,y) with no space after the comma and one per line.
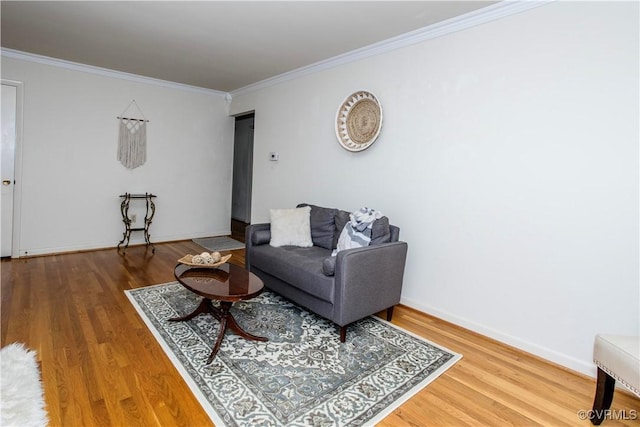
(227,284)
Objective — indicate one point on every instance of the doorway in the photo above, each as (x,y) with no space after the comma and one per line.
(242,175)
(11,120)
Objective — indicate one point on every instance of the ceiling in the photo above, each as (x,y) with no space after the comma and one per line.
(219,45)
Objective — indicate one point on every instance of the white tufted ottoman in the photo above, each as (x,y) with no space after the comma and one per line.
(618,359)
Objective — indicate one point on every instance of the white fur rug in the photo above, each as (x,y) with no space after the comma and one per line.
(21,395)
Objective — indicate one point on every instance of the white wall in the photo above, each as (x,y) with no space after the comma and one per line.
(508,157)
(71,177)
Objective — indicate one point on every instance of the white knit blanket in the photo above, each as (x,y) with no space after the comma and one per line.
(357,232)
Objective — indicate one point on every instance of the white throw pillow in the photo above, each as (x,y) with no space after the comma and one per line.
(291,227)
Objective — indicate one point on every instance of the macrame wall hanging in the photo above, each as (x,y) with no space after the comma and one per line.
(132,140)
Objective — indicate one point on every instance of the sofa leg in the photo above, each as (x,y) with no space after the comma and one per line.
(343,333)
(389,313)
(605,386)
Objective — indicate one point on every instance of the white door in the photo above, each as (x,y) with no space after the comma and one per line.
(8,119)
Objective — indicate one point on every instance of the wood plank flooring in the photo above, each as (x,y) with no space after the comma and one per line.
(102,367)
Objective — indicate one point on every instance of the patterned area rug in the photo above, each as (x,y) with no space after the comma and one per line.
(220,243)
(303,375)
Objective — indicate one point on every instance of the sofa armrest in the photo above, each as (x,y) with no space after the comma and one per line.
(368,280)
(255,235)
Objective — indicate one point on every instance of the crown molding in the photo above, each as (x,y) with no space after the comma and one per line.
(490,13)
(61,63)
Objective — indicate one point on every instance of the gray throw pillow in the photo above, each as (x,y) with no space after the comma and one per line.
(380,231)
(323,227)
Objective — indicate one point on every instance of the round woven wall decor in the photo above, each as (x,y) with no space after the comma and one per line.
(358,121)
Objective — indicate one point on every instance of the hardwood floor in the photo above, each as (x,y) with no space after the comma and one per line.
(102,367)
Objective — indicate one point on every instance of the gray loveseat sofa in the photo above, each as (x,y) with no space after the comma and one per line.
(354,284)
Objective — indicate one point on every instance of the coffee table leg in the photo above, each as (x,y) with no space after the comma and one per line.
(216,347)
(225,311)
(227,321)
(233,325)
(204,307)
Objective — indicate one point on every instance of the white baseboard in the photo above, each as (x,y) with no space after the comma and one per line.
(137,239)
(569,362)
(171,238)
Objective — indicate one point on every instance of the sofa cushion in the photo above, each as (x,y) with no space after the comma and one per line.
(323,226)
(299,267)
(380,231)
(291,227)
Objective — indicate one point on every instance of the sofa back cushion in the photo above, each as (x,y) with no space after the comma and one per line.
(380,231)
(323,226)
(342,218)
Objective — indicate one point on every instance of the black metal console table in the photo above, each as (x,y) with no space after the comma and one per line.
(148,217)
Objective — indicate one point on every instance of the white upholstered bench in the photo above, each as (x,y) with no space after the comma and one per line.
(618,359)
